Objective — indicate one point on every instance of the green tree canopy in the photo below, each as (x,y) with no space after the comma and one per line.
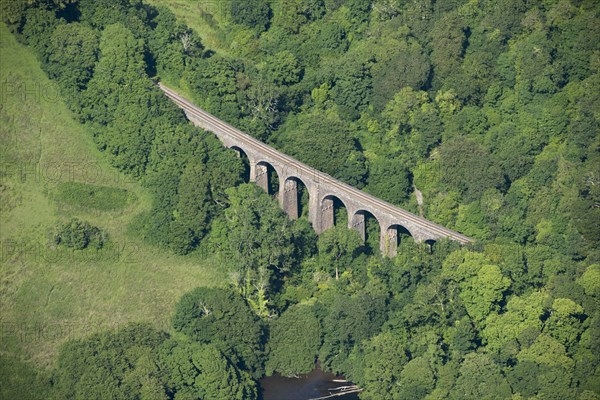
(295,338)
(72,56)
(338,246)
(389,180)
(480,378)
(254,13)
(201,371)
(347,321)
(194,208)
(121,100)
(222,317)
(382,362)
(468,167)
(324,142)
(118,365)
(482,285)
(261,239)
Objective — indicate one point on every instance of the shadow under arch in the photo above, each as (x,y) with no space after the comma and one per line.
(245,159)
(295,198)
(394,236)
(368,228)
(333,212)
(266,176)
(430,244)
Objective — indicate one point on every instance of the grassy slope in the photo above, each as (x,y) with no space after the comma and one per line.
(45,302)
(203,17)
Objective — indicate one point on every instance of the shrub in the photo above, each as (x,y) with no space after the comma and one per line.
(79,235)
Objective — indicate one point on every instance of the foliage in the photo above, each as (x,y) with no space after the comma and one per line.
(467,166)
(353,87)
(201,371)
(214,84)
(120,100)
(326,145)
(37,30)
(72,57)
(508,331)
(254,14)
(193,208)
(262,242)
(489,109)
(480,378)
(384,357)
(337,248)
(222,317)
(590,280)
(138,361)
(346,322)
(79,235)
(293,14)
(295,338)
(396,186)
(117,364)
(481,284)
(406,66)
(544,369)
(283,68)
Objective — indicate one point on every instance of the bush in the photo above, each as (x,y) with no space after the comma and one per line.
(79,235)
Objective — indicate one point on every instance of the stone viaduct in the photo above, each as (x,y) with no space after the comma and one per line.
(323,190)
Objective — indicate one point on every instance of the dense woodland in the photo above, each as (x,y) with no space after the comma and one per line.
(490,109)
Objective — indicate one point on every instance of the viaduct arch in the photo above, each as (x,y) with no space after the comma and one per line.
(322,188)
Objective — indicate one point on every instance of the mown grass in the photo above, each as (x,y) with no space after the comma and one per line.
(49,296)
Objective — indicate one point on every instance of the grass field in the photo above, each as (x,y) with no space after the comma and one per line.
(51,171)
(203,16)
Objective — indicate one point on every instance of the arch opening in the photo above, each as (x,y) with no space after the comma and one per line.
(294,198)
(368,228)
(333,212)
(395,237)
(430,243)
(245,159)
(267,178)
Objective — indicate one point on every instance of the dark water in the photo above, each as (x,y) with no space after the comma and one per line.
(312,385)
